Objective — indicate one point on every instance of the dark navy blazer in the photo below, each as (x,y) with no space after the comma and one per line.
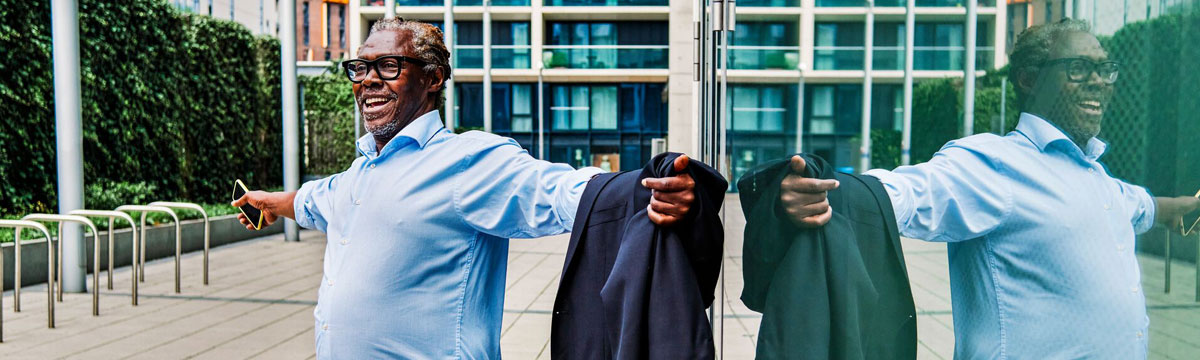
(633,290)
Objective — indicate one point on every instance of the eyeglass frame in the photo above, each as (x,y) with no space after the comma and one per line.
(374,65)
(1094,68)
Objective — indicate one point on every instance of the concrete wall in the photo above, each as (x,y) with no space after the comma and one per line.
(160,244)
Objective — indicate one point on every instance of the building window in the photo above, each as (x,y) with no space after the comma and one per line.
(510,45)
(839,46)
(764,45)
(940,46)
(342,26)
(607,45)
(304,27)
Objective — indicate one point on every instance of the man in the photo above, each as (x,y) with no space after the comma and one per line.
(1041,238)
(418,226)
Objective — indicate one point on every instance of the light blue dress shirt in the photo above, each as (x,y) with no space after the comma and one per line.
(1041,244)
(418,240)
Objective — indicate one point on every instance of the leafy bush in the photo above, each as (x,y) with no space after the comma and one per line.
(329,123)
(178,102)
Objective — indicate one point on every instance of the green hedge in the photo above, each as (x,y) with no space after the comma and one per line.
(329,123)
(179,102)
(1154,119)
(938,108)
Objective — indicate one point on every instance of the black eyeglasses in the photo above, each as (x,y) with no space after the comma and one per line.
(386,67)
(1080,69)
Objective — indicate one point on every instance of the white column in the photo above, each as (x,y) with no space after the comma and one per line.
(68,139)
(448,32)
(354,24)
(487,65)
(389,10)
(910,28)
(969,71)
(864,163)
(291,123)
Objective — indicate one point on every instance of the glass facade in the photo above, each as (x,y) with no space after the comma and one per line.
(769,3)
(606,3)
(936,46)
(764,45)
(604,125)
(762,124)
(607,45)
(510,45)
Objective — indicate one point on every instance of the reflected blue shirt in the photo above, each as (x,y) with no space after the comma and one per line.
(1041,244)
(418,240)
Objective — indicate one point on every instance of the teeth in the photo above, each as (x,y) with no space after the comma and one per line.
(375,100)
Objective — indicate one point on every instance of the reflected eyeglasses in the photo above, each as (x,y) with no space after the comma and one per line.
(1080,69)
(386,67)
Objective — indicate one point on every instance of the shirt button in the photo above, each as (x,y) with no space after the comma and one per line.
(326,327)
(1092,170)
(357,202)
(1107,206)
(372,166)
(1119,247)
(344,242)
(1134,289)
(331,282)
(1139,334)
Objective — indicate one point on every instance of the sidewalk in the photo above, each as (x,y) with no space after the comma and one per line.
(262,292)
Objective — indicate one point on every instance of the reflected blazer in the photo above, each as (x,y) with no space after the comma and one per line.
(836,292)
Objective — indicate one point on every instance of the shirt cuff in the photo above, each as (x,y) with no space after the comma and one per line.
(301,204)
(1148,215)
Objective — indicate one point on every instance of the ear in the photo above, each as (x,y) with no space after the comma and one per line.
(1026,79)
(437,81)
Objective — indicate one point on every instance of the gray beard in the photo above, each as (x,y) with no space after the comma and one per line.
(387,130)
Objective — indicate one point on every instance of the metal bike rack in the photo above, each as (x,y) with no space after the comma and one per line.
(18,225)
(207,226)
(141,271)
(60,219)
(110,214)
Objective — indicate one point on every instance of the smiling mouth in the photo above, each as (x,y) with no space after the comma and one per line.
(1091,107)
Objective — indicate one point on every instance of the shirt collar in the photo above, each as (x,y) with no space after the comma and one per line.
(1044,134)
(419,131)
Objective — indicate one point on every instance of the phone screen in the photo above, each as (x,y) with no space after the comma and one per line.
(251,212)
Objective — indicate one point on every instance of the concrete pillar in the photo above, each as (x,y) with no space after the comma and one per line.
(68,138)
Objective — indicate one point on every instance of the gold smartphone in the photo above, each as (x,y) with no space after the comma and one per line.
(254,214)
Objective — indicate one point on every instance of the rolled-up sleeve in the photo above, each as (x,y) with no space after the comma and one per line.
(953,197)
(502,191)
(314,201)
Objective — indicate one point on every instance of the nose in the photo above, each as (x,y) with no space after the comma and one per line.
(372,77)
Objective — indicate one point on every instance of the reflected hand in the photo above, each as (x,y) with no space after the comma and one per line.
(805,199)
(671,198)
(272,205)
(1169,210)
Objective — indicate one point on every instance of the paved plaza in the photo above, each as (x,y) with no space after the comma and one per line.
(262,292)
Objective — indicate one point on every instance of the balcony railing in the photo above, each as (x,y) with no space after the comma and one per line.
(949,57)
(769,3)
(606,3)
(892,57)
(494,2)
(899,3)
(764,57)
(503,56)
(838,57)
(606,56)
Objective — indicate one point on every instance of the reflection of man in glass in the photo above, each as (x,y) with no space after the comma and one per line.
(1040,237)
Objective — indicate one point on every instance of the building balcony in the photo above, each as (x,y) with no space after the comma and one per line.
(606,3)
(892,58)
(606,56)
(764,57)
(899,3)
(503,56)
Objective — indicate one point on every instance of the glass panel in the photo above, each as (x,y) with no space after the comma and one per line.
(522,109)
(606,3)
(604,107)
